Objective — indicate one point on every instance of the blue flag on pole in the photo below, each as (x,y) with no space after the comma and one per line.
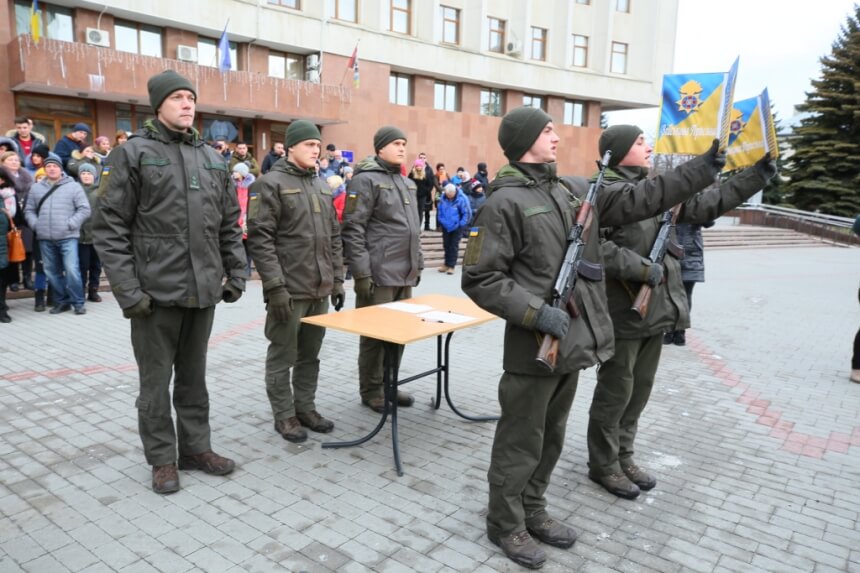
(224,62)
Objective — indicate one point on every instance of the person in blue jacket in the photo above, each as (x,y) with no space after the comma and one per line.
(454,214)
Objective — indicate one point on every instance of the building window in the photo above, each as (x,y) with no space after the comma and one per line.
(209,55)
(450,25)
(131,117)
(56,23)
(533,101)
(346,10)
(286,66)
(618,65)
(622,5)
(399,16)
(580,51)
(491,102)
(538,43)
(137,38)
(225,128)
(400,89)
(584,2)
(574,113)
(496,33)
(446,96)
(294,4)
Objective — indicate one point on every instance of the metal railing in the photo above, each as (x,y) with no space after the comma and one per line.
(808,216)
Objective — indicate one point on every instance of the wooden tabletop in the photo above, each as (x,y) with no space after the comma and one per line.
(403,327)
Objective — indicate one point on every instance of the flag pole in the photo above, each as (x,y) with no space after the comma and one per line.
(348,67)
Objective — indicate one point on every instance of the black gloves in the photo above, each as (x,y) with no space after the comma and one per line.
(337,296)
(715,157)
(231,291)
(142,309)
(552,321)
(655,275)
(364,287)
(279,304)
(766,167)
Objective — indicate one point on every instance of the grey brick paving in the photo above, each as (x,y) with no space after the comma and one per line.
(753,431)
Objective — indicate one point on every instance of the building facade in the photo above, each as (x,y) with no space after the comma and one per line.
(444,71)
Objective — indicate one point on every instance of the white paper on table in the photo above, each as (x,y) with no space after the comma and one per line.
(442,316)
(407,307)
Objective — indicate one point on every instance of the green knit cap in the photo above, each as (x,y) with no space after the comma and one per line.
(618,139)
(300,130)
(519,130)
(385,135)
(162,85)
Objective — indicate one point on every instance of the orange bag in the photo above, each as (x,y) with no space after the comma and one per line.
(15,247)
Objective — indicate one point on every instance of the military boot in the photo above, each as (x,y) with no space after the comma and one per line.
(39,301)
(93,294)
(291,430)
(669,338)
(640,477)
(165,479)
(547,530)
(680,338)
(208,462)
(616,484)
(520,548)
(314,422)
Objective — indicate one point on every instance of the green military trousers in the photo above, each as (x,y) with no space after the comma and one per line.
(623,387)
(371,351)
(528,443)
(172,342)
(294,345)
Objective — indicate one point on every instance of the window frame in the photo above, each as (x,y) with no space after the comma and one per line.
(456,23)
(583,113)
(286,57)
(490,93)
(410,83)
(139,28)
(392,10)
(446,104)
(234,53)
(286,4)
(532,98)
(496,31)
(621,54)
(580,49)
(541,43)
(335,13)
(622,6)
(45,11)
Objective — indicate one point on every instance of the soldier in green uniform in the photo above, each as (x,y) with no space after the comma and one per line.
(512,259)
(294,240)
(624,382)
(166,230)
(381,236)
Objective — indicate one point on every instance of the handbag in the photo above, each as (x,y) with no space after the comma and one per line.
(15,243)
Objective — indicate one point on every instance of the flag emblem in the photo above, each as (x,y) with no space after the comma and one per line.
(474,231)
(691,93)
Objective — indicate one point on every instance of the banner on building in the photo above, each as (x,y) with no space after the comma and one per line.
(752,132)
(696,110)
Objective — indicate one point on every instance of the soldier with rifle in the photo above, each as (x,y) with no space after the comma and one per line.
(646,298)
(513,259)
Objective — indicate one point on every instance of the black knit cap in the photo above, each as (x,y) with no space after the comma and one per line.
(519,130)
(162,85)
(618,139)
(385,135)
(41,150)
(299,131)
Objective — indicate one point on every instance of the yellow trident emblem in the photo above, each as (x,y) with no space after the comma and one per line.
(690,97)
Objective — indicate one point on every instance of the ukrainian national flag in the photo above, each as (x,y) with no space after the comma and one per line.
(695,111)
(35,22)
(753,132)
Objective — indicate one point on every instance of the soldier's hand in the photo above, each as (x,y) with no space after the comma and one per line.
(364,287)
(766,167)
(418,278)
(552,321)
(654,275)
(715,157)
(337,296)
(231,291)
(141,309)
(279,304)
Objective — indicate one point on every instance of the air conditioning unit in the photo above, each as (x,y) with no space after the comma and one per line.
(98,37)
(312,68)
(513,48)
(186,53)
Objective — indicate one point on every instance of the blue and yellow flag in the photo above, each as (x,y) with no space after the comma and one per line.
(35,22)
(695,111)
(753,132)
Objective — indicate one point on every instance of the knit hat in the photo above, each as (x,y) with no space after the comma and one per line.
(242,169)
(385,135)
(618,139)
(53,158)
(162,85)
(81,127)
(89,168)
(301,130)
(41,150)
(347,169)
(419,163)
(519,130)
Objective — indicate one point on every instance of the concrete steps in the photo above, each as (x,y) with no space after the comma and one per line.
(752,237)
(434,253)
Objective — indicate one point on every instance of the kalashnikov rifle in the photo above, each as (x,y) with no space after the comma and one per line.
(562,291)
(662,244)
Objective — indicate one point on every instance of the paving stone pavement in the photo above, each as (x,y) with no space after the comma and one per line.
(753,431)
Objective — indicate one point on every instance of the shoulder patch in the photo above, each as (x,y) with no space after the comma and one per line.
(474,247)
(537,209)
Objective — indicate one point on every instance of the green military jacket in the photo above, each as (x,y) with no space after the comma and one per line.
(167,220)
(625,251)
(87,226)
(517,245)
(381,229)
(248,160)
(293,232)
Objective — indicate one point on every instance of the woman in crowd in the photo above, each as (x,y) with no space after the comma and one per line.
(102,147)
(425,190)
(21,180)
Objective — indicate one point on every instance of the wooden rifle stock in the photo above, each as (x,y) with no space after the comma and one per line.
(640,305)
(548,351)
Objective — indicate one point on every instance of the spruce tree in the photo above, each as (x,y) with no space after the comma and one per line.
(774,191)
(825,175)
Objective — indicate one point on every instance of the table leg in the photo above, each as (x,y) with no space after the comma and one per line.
(445,372)
(389,382)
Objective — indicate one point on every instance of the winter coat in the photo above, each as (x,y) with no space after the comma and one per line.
(268,161)
(5,227)
(65,147)
(626,247)
(381,230)
(91,192)
(423,188)
(293,233)
(518,242)
(693,263)
(62,214)
(166,221)
(77,159)
(22,181)
(454,213)
(247,160)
